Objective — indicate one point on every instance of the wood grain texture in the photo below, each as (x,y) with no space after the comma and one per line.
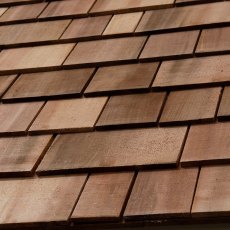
(182,17)
(5,82)
(190,106)
(116,79)
(131,110)
(114,149)
(67,8)
(13,2)
(19,155)
(103,197)
(207,144)
(108,6)
(2,10)
(68,115)
(178,44)
(194,72)
(214,40)
(212,193)
(39,200)
(32,32)
(123,23)
(86,27)
(48,84)
(162,194)
(23,12)
(30,58)
(105,51)
(15,118)
(224,109)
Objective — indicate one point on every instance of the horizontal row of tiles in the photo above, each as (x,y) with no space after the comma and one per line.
(110,51)
(114,150)
(80,8)
(119,79)
(92,27)
(155,194)
(133,110)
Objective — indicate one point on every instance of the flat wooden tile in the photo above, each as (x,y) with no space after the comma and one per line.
(106,6)
(5,82)
(115,79)
(212,193)
(48,84)
(103,197)
(181,17)
(23,12)
(39,200)
(207,144)
(68,115)
(114,149)
(2,10)
(224,109)
(188,106)
(214,40)
(20,155)
(162,194)
(176,44)
(15,118)
(13,60)
(32,32)
(205,71)
(67,8)
(123,23)
(109,50)
(86,27)
(131,110)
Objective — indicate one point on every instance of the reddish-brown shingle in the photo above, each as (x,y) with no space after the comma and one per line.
(224,109)
(131,110)
(162,194)
(118,79)
(48,84)
(179,44)
(5,82)
(104,51)
(103,197)
(39,200)
(212,193)
(114,149)
(197,105)
(214,40)
(20,155)
(207,144)
(68,115)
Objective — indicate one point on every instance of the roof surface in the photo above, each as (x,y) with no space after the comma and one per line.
(114,113)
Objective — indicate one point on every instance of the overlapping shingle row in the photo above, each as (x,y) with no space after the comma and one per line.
(114,93)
